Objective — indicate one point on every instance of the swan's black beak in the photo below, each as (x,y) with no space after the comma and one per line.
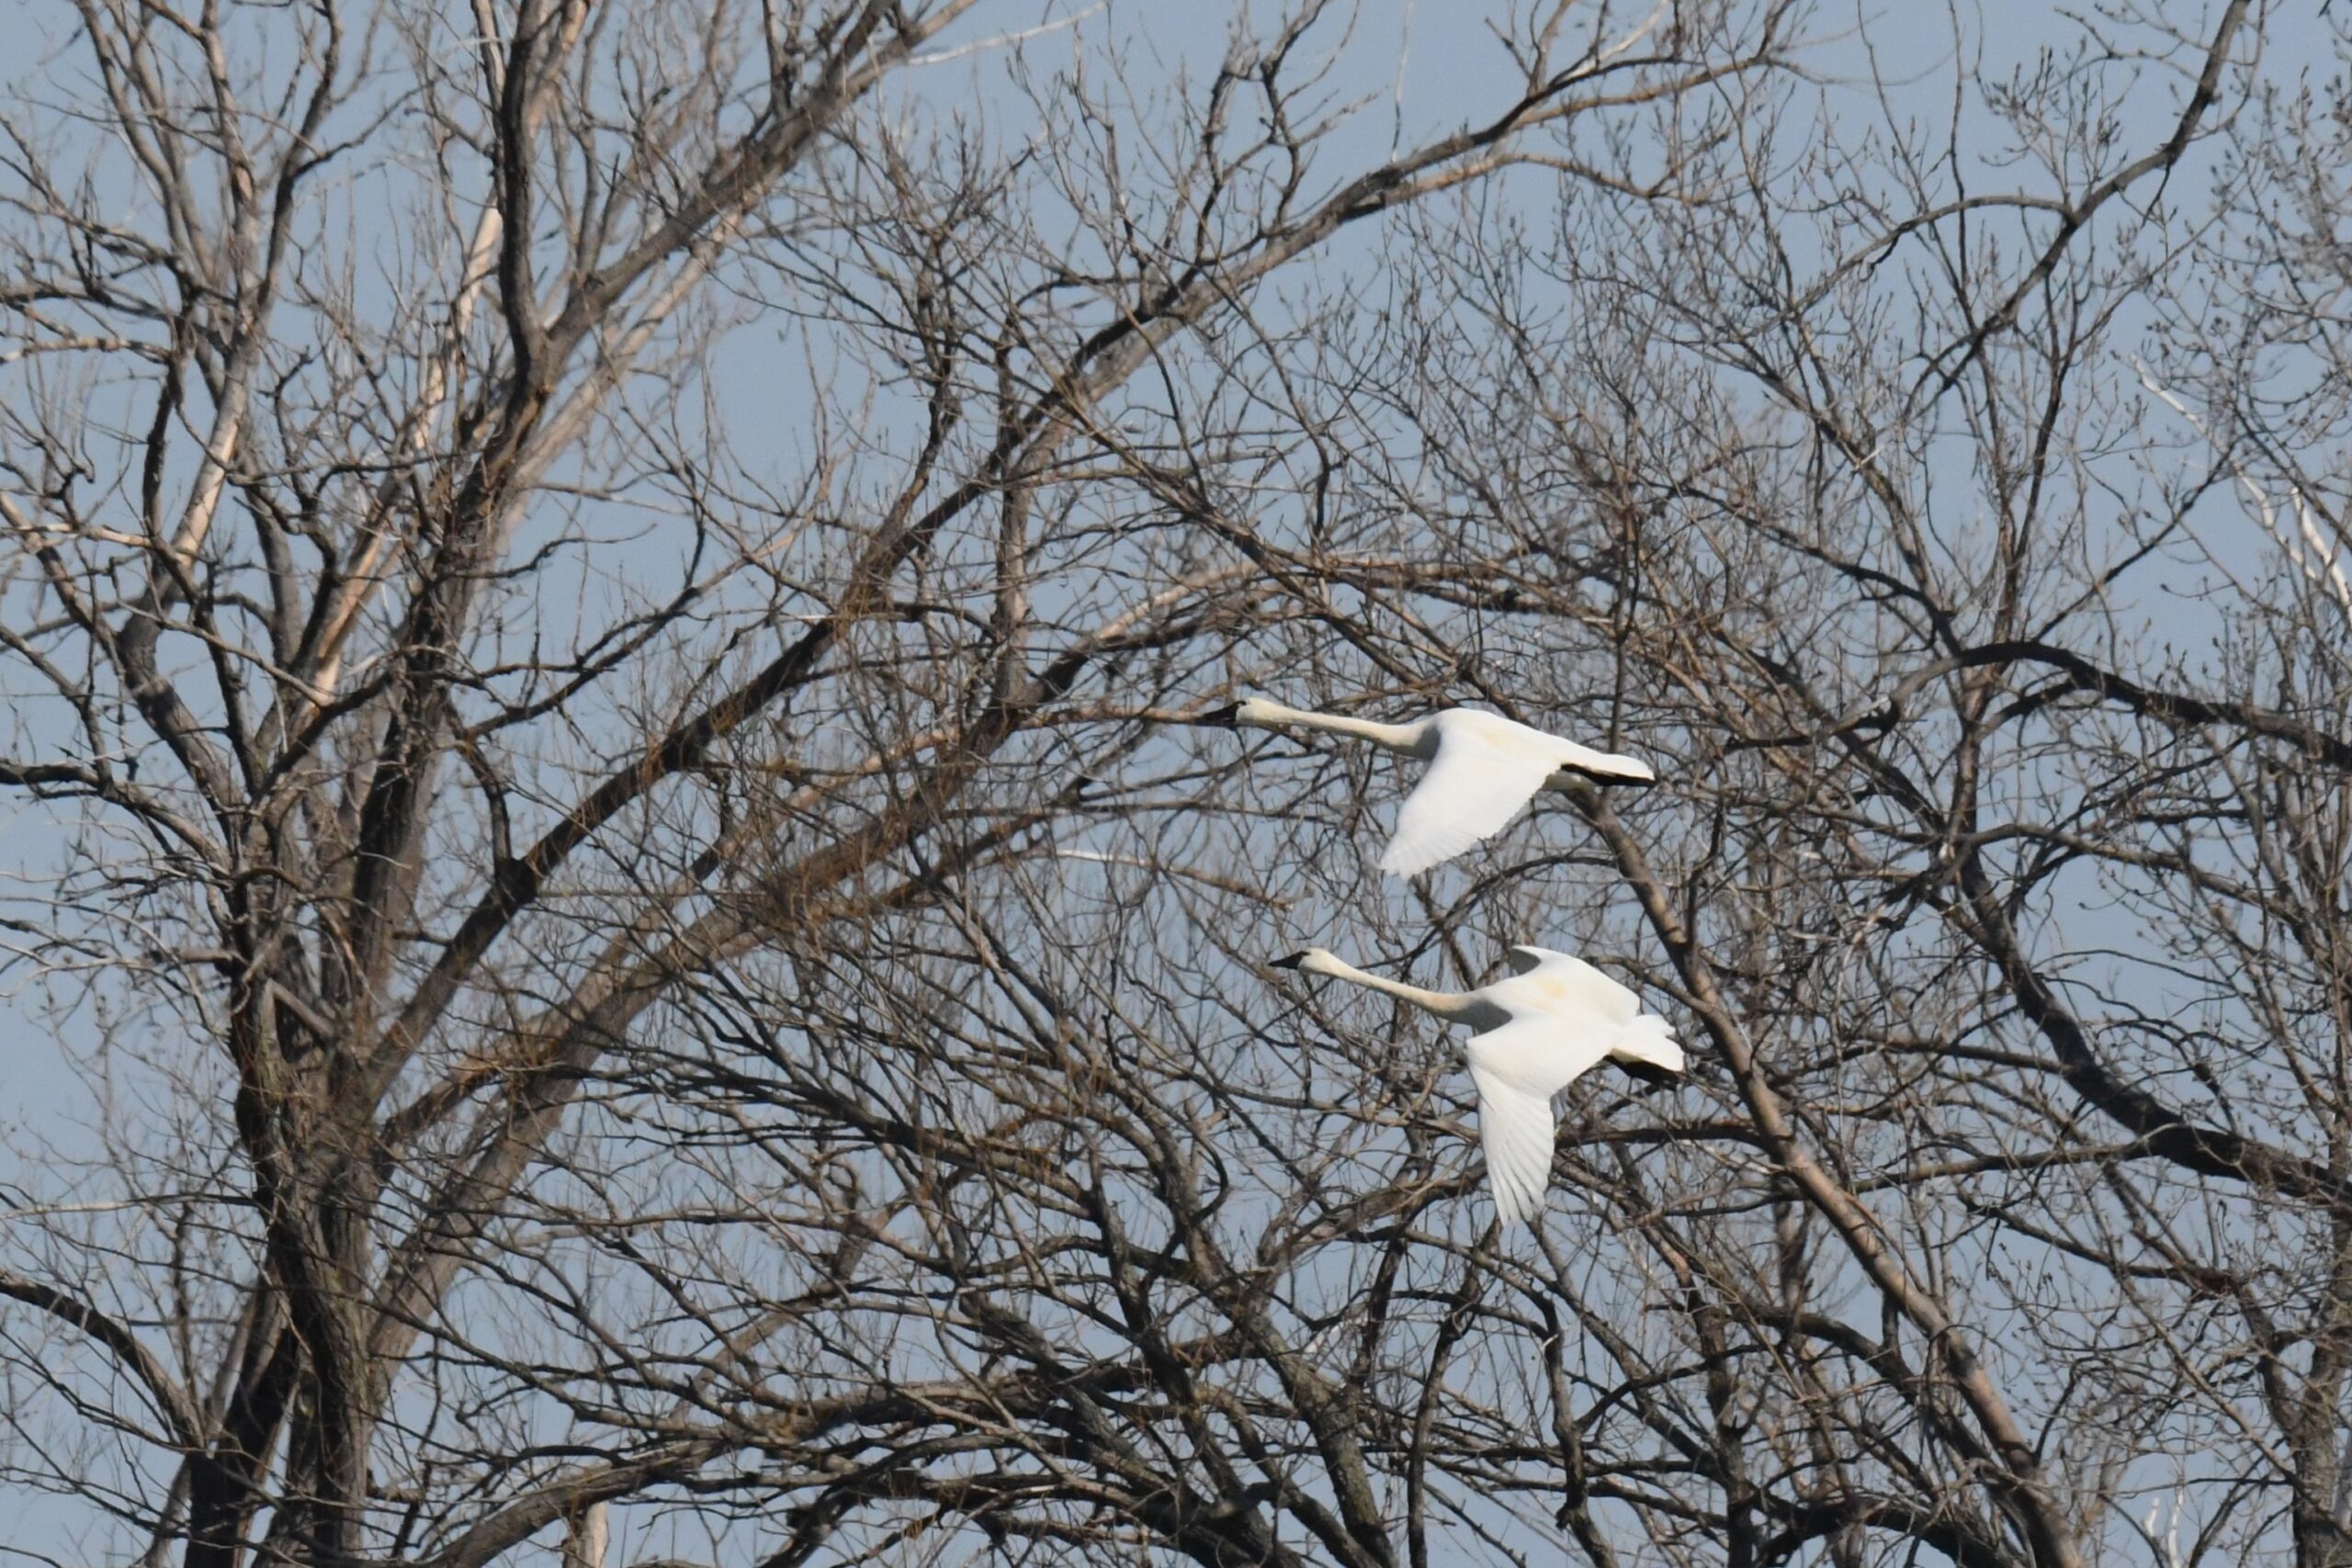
(1293,961)
(1220,718)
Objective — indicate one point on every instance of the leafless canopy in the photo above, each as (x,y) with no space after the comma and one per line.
(597,602)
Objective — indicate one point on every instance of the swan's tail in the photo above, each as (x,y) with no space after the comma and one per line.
(1648,1038)
(1607,767)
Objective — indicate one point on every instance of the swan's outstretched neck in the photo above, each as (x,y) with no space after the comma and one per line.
(1320,960)
(1260,713)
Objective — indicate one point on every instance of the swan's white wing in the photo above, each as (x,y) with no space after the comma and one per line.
(1538,1053)
(1518,1069)
(1582,989)
(1517,1130)
(1473,787)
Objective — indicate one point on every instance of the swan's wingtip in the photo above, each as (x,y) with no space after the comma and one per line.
(1512,1213)
(1398,862)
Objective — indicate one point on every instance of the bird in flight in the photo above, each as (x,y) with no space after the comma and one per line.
(1537,1030)
(1483,768)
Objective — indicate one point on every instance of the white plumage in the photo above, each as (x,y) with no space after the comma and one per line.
(1482,769)
(1536,1032)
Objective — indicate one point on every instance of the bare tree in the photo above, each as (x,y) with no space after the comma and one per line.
(660,963)
(1979,552)
(638,957)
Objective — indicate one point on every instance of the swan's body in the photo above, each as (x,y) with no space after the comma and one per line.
(1483,768)
(1536,1032)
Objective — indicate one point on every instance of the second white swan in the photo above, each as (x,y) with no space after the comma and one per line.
(1537,1031)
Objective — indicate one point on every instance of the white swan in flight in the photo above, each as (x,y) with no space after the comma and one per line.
(1483,768)
(1537,1031)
